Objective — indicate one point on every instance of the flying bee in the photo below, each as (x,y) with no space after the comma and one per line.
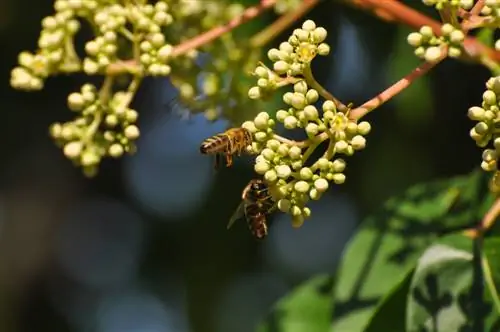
(256,204)
(232,141)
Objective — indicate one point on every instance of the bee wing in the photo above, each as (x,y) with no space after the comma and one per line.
(240,212)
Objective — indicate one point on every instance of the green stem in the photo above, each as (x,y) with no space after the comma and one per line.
(489,281)
(311,81)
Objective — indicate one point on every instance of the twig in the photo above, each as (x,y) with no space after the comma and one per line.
(271,31)
(195,42)
(401,13)
(473,15)
(311,81)
(487,222)
(394,89)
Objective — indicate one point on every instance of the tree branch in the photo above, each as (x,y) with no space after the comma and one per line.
(399,12)
(394,89)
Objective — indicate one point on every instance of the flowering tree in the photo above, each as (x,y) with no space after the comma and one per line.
(446,261)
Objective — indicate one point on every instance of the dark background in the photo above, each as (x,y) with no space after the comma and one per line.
(144,246)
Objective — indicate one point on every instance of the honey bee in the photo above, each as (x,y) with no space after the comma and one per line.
(232,141)
(256,204)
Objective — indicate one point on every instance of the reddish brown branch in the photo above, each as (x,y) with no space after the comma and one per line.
(487,222)
(393,90)
(399,12)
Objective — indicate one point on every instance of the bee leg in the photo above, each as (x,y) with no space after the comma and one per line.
(217,161)
(229,160)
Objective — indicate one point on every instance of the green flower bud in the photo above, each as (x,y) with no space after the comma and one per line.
(260,136)
(111,120)
(300,87)
(306,212)
(298,101)
(297,221)
(457,37)
(281,67)
(314,194)
(481,128)
(329,105)
(281,115)
(489,115)
(358,142)
(273,54)
(283,171)
(283,150)
(287,97)
(321,185)
(115,150)
(76,101)
(341,146)
(447,29)
(312,96)
(489,97)
(295,152)
(263,83)
(414,39)
(290,122)
(271,176)
(72,150)
(489,166)
(426,32)
(286,47)
(496,143)
(328,116)
(297,164)
(322,164)
(323,49)
(364,128)
(132,132)
(432,54)
(261,120)
(312,129)
(261,71)
(295,210)
(338,178)
(351,128)
(254,92)
(268,154)
(308,25)
(311,113)
(454,52)
(338,165)
(273,144)
(489,155)
(89,158)
(319,35)
(261,167)
(284,205)
(306,173)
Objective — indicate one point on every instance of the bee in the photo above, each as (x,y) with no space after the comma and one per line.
(256,204)
(232,141)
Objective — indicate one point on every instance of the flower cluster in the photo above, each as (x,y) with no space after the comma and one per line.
(103,127)
(291,59)
(283,163)
(146,22)
(430,47)
(488,121)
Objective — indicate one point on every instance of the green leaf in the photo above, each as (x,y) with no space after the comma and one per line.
(387,246)
(393,306)
(441,287)
(307,308)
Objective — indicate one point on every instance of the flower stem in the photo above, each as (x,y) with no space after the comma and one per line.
(311,81)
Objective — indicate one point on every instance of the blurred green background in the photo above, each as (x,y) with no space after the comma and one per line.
(144,246)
